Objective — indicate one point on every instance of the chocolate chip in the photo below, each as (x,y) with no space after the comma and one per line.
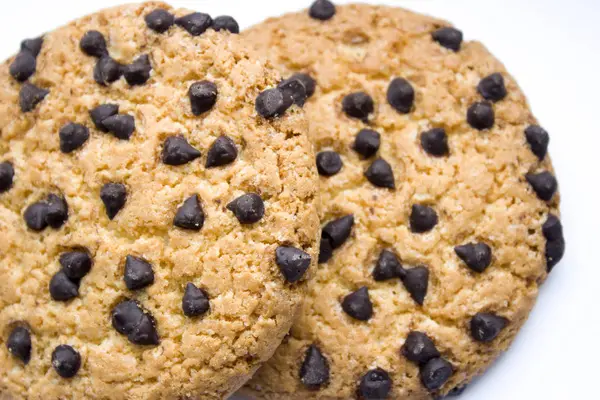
(309,83)
(66,361)
(203,96)
(72,136)
(481,115)
(477,256)
(367,142)
(75,264)
(338,230)
(295,89)
(435,373)
(35,216)
(144,333)
(555,250)
(272,103)
(34,46)
(58,211)
(457,391)
(358,105)
(100,113)
(416,281)
(435,142)
(138,72)
(492,87)
(401,95)
(552,228)
(107,71)
(448,37)
(329,163)
(138,273)
(422,218)
(419,348)
(248,208)
(23,66)
(222,152)
(292,262)
(190,215)
(485,327)
(126,316)
(375,385)
(325,250)
(544,185)
(314,371)
(195,301)
(380,174)
(195,23)
(177,151)
(538,139)
(93,44)
(7,175)
(358,304)
(322,10)
(30,96)
(62,288)
(121,126)
(388,266)
(113,196)
(19,344)
(225,22)
(159,20)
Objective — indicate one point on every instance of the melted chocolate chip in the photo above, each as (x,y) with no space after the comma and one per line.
(388,266)
(477,256)
(422,218)
(401,95)
(292,262)
(325,250)
(190,215)
(19,344)
(329,163)
(419,348)
(309,83)
(121,126)
(66,361)
(435,142)
(35,216)
(62,288)
(435,373)
(416,282)
(177,151)
(203,96)
(358,105)
(58,211)
(7,175)
(100,113)
(380,174)
(358,304)
(222,152)
(448,37)
(295,89)
(126,316)
(322,10)
(485,327)
(544,185)
(72,136)
(30,96)
(195,301)
(93,44)
(195,23)
(367,142)
(107,71)
(23,66)
(248,208)
(492,87)
(159,20)
(34,46)
(538,140)
(376,384)
(138,273)
(75,264)
(144,333)
(114,196)
(314,372)
(138,72)
(227,23)
(272,103)
(338,230)
(481,115)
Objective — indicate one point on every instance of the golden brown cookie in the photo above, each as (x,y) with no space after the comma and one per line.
(157,229)
(439,205)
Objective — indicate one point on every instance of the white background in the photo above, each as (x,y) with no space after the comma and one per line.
(552,48)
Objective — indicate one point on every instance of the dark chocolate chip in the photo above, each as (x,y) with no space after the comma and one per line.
(380,174)
(19,344)
(66,361)
(555,250)
(416,281)
(58,211)
(159,20)
(477,256)
(292,262)
(93,44)
(177,151)
(325,250)
(203,96)
(329,163)
(450,38)
(102,112)
(457,391)
(34,46)
(76,264)
(435,142)
(195,301)
(72,136)
(121,126)
(195,23)
(223,151)
(322,10)
(435,373)
(7,175)
(144,333)
(295,89)
(248,208)
(492,87)
(419,348)
(538,140)
(138,273)
(190,215)
(401,95)
(30,96)
(114,196)
(126,316)
(309,83)
(23,66)
(552,228)
(422,218)
(227,23)
(480,115)
(358,105)
(35,216)
(338,230)
(544,184)
(376,384)
(358,304)
(62,288)
(138,72)
(388,266)
(367,142)
(272,103)
(107,71)
(485,327)
(314,371)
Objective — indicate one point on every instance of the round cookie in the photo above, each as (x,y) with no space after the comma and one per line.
(440,208)
(157,229)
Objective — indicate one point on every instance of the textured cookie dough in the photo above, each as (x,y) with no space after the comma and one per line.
(251,304)
(474,180)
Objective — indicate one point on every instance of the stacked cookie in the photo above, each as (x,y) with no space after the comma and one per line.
(163,212)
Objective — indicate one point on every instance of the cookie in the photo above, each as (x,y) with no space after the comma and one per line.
(438,202)
(158,232)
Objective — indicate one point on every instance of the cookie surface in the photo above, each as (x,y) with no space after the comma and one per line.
(440,208)
(157,231)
